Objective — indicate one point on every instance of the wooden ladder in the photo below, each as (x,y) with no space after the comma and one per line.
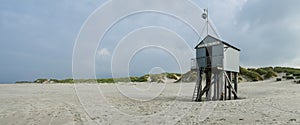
(198,91)
(195,94)
(198,87)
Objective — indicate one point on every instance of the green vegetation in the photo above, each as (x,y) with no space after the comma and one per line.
(144,78)
(266,72)
(258,74)
(270,73)
(250,74)
(107,80)
(261,71)
(173,75)
(130,79)
(66,81)
(23,82)
(288,71)
(40,80)
(157,77)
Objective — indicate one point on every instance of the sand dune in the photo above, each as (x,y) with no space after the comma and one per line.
(266,102)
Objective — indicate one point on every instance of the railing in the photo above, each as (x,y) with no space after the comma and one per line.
(215,61)
(194,65)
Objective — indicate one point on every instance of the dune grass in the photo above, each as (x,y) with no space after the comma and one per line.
(144,78)
(251,74)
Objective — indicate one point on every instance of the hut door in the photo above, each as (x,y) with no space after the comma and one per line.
(209,56)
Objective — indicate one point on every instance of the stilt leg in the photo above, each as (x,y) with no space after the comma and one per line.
(229,88)
(235,84)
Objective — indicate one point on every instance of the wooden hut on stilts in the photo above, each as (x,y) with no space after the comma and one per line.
(217,66)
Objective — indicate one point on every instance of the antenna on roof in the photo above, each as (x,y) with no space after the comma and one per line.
(205,17)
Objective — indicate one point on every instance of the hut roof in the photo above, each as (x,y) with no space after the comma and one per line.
(218,40)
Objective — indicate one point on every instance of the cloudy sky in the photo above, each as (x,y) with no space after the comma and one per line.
(38,37)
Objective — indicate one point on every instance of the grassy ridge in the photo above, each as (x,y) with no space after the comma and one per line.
(288,71)
(258,74)
(144,78)
(250,74)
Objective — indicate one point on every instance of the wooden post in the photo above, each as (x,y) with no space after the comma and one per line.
(208,83)
(215,89)
(217,96)
(221,84)
(235,84)
(225,87)
(229,88)
(199,82)
(218,84)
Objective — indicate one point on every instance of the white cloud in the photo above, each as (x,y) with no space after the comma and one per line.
(224,12)
(103,52)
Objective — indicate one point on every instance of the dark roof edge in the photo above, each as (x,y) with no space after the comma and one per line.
(231,46)
(219,40)
(198,45)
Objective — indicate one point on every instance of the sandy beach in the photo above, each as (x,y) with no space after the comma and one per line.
(266,102)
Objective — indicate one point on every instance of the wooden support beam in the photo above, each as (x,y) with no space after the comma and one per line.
(208,84)
(230,86)
(232,89)
(235,85)
(221,85)
(225,87)
(205,90)
(229,81)
(217,89)
(199,87)
(215,80)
